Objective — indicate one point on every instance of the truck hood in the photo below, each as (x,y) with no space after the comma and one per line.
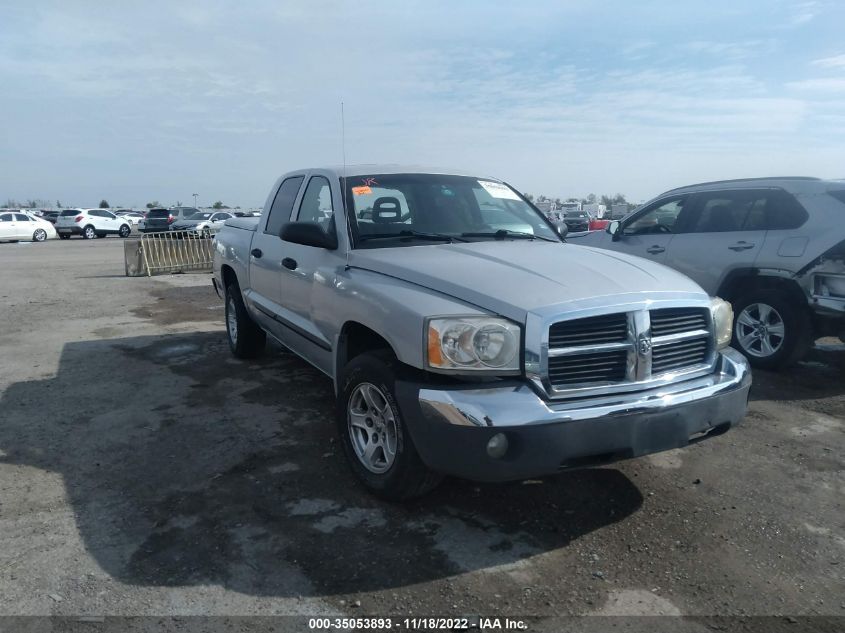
(512,278)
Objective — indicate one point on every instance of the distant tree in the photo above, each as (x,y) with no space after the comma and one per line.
(219,205)
(104,204)
(153,204)
(590,199)
(572,199)
(606,201)
(619,199)
(528,197)
(557,202)
(178,203)
(542,198)
(58,204)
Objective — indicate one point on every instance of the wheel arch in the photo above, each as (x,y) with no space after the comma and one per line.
(741,281)
(355,339)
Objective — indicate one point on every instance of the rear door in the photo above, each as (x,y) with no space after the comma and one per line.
(265,261)
(24,226)
(725,232)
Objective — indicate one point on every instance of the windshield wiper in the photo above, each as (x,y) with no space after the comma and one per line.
(406,234)
(503,233)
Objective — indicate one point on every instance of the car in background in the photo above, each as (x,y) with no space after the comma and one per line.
(598,224)
(21,226)
(133,217)
(576,220)
(202,223)
(159,219)
(90,223)
(773,247)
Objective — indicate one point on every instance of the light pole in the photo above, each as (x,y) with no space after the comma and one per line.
(195,200)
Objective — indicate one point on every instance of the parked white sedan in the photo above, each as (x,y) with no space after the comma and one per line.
(20,226)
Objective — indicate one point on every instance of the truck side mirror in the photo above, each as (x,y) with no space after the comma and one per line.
(307,234)
(614,229)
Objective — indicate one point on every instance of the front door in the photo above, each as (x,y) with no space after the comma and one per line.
(8,226)
(305,266)
(649,232)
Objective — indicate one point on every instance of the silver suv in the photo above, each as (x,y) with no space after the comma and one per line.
(773,247)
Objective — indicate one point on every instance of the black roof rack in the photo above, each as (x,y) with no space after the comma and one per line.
(720,182)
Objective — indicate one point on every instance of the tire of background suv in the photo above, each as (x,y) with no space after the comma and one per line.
(246,339)
(407,476)
(124,231)
(40,235)
(88,233)
(64,236)
(798,328)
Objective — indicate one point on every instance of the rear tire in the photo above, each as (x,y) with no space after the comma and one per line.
(89,233)
(398,472)
(771,329)
(64,236)
(246,339)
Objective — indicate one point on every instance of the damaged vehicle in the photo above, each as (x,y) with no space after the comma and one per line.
(465,337)
(773,247)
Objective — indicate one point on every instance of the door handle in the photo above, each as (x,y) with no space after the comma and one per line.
(654,250)
(256,253)
(289,263)
(741,246)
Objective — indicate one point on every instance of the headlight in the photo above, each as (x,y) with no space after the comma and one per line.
(473,344)
(723,321)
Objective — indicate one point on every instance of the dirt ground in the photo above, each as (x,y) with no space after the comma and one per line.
(144,471)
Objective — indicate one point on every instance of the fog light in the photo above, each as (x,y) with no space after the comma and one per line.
(497,446)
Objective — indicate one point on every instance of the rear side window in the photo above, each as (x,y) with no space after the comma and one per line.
(784,212)
(283,205)
(6,217)
(69,213)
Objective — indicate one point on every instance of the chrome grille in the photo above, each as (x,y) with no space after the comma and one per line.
(580,368)
(627,350)
(675,320)
(608,328)
(678,355)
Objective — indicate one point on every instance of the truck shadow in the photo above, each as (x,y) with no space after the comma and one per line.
(821,374)
(184,466)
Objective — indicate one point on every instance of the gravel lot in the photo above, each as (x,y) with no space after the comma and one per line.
(144,471)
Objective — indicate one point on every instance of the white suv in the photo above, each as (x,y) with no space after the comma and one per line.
(91,223)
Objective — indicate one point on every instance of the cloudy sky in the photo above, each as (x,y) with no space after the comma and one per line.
(140,101)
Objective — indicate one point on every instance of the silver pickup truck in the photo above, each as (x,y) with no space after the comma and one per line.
(465,337)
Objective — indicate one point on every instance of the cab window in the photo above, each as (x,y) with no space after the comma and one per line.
(661,218)
(316,204)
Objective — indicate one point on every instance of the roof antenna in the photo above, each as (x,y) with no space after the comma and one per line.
(343,137)
(343,187)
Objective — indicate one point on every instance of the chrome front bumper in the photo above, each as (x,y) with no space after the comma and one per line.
(451,427)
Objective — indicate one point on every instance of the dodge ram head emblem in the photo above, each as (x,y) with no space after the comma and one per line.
(644,345)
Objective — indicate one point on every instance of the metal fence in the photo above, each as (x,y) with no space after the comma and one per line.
(170,252)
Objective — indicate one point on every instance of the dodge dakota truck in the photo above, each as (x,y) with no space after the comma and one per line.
(465,337)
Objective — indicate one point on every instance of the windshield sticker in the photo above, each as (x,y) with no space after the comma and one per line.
(361,191)
(498,190)
(370,181)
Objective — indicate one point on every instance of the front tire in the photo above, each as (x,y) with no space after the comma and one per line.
(40,235)
(246,339)
(124,230)
(771,329)
(372,431)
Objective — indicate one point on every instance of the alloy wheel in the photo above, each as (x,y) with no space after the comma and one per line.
(372,428)
(760,330)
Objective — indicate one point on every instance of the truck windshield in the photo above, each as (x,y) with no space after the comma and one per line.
(389,210)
